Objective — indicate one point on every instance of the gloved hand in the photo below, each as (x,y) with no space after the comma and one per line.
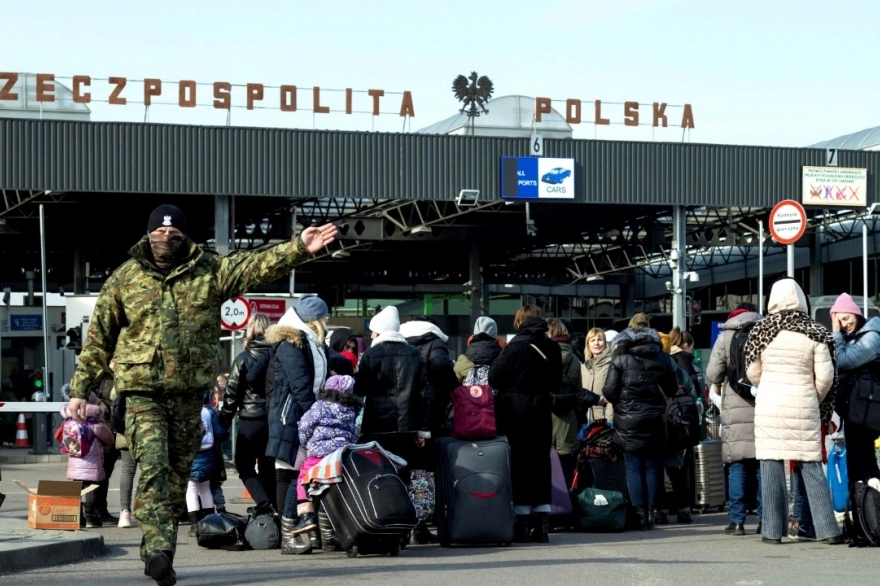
(715,398)
(874,483)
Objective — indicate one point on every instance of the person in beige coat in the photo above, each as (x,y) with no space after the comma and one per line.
(790,361)
(594,370)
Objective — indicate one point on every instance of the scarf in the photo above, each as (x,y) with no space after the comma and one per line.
(165,248)
(765,330)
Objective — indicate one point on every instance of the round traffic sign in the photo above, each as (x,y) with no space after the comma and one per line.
(788,221)
(235,313)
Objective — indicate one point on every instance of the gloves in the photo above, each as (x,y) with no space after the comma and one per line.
(874,483)
(715,398)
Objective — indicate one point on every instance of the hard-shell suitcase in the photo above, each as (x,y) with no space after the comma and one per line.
(474,493)
(370,510)
(709,482)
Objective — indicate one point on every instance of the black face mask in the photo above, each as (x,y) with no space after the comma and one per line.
(165,247)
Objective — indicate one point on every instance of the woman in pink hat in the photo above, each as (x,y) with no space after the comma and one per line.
(857,344)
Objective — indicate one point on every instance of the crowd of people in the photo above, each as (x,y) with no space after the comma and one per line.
(300,391)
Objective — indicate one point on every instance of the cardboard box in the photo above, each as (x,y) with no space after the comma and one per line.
(55,503)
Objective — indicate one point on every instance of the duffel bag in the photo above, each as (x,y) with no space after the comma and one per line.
(219,530)
(263,532)
(601,511)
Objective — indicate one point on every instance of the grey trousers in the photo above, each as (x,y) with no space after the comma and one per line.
(775,501)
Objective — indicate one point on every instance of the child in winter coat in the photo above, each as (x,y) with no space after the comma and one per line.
(327,426)
(199,499)
(84,443)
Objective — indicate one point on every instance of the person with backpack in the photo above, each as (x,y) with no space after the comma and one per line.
(482,350)
(246,396)
(790,360)
(84,444)
(526,375)
(857,350)
(640,379)
(727,367)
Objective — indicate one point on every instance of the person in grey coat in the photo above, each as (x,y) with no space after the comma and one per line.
(737,421)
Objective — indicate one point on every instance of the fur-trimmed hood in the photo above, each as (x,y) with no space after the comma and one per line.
(414,330)
(282,333)
(345,399)
(631,337)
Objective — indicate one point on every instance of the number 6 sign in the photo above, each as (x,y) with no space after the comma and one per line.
(235,313)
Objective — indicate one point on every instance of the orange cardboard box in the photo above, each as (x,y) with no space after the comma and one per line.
(55,503)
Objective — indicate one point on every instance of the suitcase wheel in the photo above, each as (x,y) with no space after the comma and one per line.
(352,551)
(702,510)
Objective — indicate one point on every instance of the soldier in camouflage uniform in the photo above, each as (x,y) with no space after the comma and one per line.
(157,319)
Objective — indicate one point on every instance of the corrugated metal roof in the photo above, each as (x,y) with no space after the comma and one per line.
(867,139)
(178,159)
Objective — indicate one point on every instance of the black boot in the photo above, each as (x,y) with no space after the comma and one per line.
(315,539)
(193,517)
(650,517)
(684,516)
(328,536)
(420,535)
(541,531)
(521,529)
(287,536)
(93,520)
(643,518)
(159,568)
(661,517)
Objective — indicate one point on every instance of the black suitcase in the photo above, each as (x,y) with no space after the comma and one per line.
(474,494)
(370,510)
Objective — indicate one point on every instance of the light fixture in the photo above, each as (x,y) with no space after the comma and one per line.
(467,198)
(421,230)
(340,254)
(595,278)
(692,276)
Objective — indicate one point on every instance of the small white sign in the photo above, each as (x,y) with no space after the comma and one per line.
(235,313)
(555,178)
(835,186)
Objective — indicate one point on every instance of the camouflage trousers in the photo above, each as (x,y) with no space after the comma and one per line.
(163,434)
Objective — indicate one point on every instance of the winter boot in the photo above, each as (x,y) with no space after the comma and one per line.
(2,498)
(661,517)
(314,537)
(521,529)
(287,536)
(302,544)
(159,567)
(643,518)
(193,517)
(328,536)
(308,522)
(684,516)
(93,519)
(420,535)
(541,531)
(650,517)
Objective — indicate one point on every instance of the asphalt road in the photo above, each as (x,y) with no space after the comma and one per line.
(677,555)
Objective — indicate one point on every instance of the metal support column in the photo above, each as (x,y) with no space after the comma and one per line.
(221,224)
(678,266)
(789,260)
(817,272)
(475,288)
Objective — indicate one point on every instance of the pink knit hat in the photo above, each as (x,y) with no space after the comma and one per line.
(845,304)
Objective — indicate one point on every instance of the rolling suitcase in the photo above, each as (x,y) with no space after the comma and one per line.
(474,493)
(709,492)
(370,510)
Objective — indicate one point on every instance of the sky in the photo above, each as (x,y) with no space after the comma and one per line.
(770,72)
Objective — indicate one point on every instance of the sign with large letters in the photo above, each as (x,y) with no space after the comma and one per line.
(537,178)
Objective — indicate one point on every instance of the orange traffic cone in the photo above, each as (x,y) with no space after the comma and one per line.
(21,437)
(247,494)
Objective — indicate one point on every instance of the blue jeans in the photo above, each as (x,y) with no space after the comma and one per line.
(643,478)
(737,489)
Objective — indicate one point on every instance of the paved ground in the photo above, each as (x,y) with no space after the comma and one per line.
(675,555)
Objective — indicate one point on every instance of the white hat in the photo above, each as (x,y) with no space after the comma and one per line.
(610,335)
(387,320)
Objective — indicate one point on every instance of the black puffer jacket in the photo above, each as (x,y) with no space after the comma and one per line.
(638,366)
(439,368)
(245,394)
(391,378)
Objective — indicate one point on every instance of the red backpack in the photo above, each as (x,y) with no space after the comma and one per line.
(473,407)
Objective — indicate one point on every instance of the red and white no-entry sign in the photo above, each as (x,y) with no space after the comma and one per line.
(788,221)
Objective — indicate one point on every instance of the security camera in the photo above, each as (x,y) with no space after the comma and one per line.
(669,286)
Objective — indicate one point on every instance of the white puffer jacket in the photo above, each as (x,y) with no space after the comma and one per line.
(792,375)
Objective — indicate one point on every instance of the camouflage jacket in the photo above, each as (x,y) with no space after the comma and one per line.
(162,331)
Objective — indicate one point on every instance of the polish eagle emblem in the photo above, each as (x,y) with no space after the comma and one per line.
(474,92)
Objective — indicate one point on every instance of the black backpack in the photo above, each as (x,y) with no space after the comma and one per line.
(736,363)
(863,517)
(682,421)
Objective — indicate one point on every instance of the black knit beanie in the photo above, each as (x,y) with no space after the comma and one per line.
(167,215)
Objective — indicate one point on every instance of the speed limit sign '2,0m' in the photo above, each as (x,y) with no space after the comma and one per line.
(235,313)
(788,221)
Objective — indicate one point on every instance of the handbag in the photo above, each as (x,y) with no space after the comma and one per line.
(601,511)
